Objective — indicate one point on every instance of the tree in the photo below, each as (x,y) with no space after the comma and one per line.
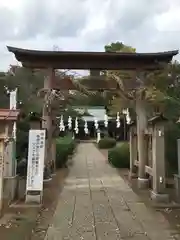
(142,93)
(118,47)
(28,83)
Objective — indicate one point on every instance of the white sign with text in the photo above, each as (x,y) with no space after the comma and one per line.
(36,154)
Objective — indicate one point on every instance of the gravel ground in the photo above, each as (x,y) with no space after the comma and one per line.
(31,223)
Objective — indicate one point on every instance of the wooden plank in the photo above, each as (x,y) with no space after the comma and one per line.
(136,163)
(148,170)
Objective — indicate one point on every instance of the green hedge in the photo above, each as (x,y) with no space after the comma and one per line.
(119,156)
(172,133)
(64,147)
(107,143)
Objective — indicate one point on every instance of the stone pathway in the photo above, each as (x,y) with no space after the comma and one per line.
(96,204)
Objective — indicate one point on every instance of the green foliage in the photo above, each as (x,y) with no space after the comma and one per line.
(106,142)
(125,80)
(119,156)
(160,89)
(23,127)
(28,84)
(119,47)
(172,133)
(94,100)
(69,111)
(64,147)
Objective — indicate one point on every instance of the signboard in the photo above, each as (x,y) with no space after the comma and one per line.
(36,154)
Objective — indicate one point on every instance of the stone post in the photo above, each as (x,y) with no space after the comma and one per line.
(7,186)
(8,160)
(158,164)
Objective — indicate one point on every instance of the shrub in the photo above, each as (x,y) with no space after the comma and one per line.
(64,147)
(107,143)
(119,156)
(172,133)
(22,167)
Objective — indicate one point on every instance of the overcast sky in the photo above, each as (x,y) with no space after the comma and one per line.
(87,25)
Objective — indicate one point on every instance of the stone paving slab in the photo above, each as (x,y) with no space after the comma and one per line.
(96,204)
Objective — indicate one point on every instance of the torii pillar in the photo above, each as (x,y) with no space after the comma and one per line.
(47,116)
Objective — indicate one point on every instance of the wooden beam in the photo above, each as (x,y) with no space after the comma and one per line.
(90,60)
(84,64)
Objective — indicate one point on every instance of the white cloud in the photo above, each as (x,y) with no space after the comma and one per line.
(11,4)
(88,25)
(170,20)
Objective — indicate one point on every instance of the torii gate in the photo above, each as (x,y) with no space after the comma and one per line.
(95,61)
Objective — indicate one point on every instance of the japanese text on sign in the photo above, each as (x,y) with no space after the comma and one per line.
(35,160)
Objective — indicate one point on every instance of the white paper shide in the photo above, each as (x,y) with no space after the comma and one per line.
(36,154)
(13,106)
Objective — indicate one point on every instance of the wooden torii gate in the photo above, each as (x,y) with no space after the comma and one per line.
(95,62)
